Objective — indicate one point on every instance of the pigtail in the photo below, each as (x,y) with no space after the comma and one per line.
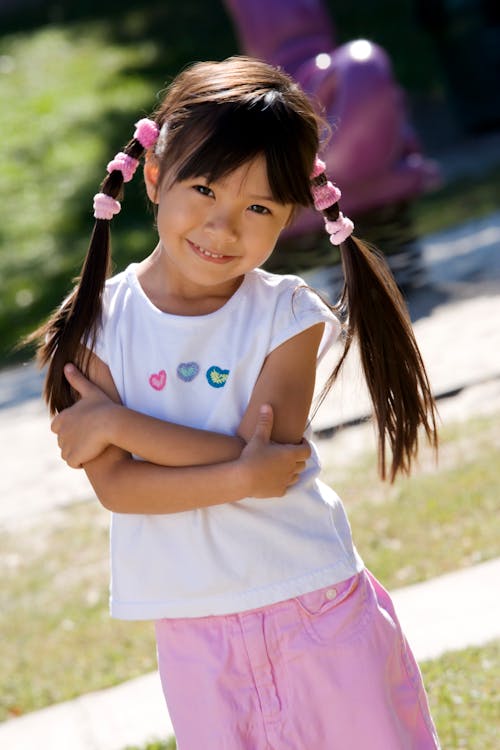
(375,313)
(70,333)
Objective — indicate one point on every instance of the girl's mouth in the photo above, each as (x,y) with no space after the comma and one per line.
(208,254)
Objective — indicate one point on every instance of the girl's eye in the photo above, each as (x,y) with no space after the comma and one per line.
(203,190)
(259,209)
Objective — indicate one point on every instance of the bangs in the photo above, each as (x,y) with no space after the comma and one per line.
(226,135)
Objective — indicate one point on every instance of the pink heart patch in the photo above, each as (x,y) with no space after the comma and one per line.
(158,380)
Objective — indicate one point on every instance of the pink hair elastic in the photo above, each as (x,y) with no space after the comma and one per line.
(319,168)
(324,192)
(340,229)
(325,195)
(125,164)
(105,207)
(146,132)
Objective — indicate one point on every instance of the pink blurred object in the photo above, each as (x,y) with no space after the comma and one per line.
(374,155)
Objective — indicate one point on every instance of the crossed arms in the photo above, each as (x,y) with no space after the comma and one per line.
(185,468)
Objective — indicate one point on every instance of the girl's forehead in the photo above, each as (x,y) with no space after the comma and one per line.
(249,177)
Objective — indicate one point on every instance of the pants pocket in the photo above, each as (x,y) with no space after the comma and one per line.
(335,614)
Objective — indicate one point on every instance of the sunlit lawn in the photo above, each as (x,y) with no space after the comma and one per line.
(57,640)
(444,517)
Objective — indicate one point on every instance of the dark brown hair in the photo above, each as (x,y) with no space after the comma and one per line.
(217,116)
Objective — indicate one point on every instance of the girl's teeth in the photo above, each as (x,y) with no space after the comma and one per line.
(207,252)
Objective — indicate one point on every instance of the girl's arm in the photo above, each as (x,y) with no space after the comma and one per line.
(286,382)
(264,469)
(125,485)
(98,420)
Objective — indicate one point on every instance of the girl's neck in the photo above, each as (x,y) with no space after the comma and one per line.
(171,293)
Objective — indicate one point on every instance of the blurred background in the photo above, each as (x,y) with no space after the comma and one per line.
(408,107)
(411,91)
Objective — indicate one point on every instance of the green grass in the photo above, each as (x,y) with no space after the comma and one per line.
(449,509)
(53,150)
(464,696)
(57,640)
(458,202)
(171,745)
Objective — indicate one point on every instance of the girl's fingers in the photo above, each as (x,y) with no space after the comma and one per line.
(264,426)
(76,380)
(305,449)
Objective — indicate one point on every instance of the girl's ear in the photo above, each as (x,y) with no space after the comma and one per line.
(151,178)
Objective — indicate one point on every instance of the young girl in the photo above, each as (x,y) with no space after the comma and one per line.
(201,367)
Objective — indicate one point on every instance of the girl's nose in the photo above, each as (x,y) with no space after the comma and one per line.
(222,227)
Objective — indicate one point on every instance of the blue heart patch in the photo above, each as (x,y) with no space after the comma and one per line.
(187,371)
(216,377)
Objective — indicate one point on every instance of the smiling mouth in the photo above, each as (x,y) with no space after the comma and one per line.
(208,253)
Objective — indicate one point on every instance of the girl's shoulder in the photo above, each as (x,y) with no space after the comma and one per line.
(120,285)
(120,279)
(290,289)
(291,305)
(279,288)
(277,281)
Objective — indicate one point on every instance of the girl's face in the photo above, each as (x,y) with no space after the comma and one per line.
(212,234)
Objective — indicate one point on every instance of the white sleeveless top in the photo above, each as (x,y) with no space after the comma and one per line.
(200,371)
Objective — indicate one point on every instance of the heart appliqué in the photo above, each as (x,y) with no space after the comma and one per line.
(158,380)
(216,377)
(187,371)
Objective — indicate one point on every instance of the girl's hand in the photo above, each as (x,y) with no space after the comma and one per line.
(271,467)
(82,429)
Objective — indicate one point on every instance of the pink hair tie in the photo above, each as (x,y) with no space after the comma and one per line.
(125,164)
(340,229)
(319,168)
(105,207)
(146,132)
(325,195)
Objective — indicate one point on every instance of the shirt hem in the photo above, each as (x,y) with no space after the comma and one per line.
(226,605)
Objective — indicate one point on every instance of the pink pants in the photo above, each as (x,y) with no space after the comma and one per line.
(329,670)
